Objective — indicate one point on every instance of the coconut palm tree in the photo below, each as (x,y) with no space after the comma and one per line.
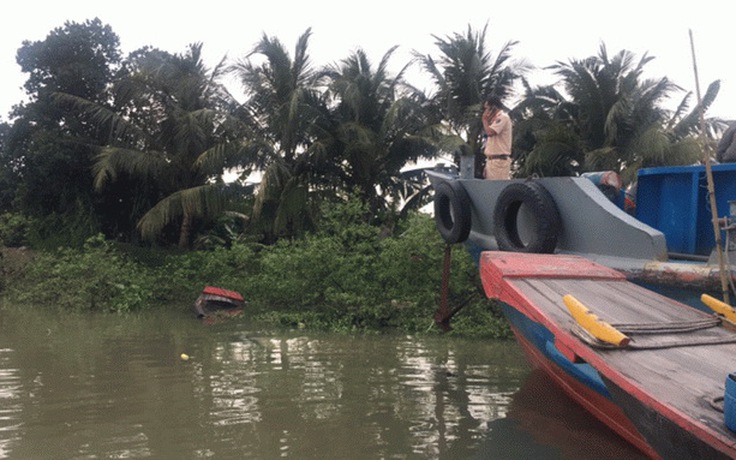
(464,74)
(288,114)
(380,126)
(171,129)
(603,115)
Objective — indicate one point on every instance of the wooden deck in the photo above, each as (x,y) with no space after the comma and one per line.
(679,382)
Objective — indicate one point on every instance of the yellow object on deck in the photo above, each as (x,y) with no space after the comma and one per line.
(591,323)
(720,307)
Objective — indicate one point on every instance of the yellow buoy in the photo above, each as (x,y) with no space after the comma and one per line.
(184,357)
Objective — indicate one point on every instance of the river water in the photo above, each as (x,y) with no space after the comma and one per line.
(93,387)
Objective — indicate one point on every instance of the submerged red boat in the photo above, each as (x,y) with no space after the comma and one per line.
(218,301)
(658,372)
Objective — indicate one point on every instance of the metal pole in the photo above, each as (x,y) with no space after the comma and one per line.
(442,315)
(709,178)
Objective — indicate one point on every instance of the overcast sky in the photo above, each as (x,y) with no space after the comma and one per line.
(546,31)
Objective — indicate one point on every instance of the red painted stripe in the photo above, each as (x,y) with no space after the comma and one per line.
(507,291)
(499,264)
(222,292)
(601,407)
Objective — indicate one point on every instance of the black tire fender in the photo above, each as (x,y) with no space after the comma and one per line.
(452,211)
(528,205)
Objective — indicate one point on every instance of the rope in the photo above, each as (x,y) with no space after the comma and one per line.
(649,329)
(668,328)
(717,403)
(728,262)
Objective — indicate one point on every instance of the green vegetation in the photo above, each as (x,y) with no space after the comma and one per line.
(346,277)
(113,171)
(136,147)
(603,115)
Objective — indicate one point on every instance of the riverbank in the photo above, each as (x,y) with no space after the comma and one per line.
(351,280)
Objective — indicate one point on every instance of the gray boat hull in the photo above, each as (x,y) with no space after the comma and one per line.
(590,226)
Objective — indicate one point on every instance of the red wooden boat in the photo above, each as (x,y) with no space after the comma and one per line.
(214,301)
(651,368)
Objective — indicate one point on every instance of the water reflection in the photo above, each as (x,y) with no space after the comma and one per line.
(551,426)
(114,387)
(10,406)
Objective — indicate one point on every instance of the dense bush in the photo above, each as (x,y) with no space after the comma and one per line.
(96,278)
(346,277)
(185,274)
(14,229)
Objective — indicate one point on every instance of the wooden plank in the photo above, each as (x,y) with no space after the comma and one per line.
(684,378)
(520,265)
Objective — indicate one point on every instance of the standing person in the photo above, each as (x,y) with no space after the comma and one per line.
(497,126)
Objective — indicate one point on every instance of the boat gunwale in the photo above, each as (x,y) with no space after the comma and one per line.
(508,290)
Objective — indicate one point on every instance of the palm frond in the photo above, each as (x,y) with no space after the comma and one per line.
(118,126)
(602,159)
(113,160)
(657,149)
(690,123)
(204,200)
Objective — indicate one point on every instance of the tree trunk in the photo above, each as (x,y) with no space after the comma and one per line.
(186,230)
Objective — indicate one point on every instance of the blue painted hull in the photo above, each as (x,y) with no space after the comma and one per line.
(658,392)
(579,380)
(543,340)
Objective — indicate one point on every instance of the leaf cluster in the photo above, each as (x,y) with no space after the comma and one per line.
(602,114)
(349,277)
(94,278)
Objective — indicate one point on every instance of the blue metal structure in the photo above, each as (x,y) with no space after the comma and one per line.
(675,201)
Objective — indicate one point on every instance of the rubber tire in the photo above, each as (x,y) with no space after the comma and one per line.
(452,211)
(546,217)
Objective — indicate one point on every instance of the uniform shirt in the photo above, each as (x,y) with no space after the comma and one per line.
(500,144)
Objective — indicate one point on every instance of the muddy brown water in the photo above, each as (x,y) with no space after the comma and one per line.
(106,386)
